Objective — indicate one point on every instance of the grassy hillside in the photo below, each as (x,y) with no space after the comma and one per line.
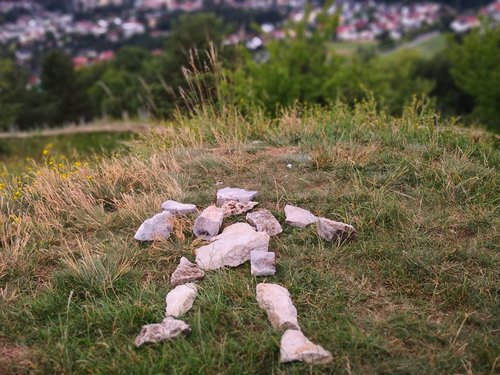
(416,293)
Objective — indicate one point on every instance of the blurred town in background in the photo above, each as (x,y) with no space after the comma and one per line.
(92,30)
(76,61)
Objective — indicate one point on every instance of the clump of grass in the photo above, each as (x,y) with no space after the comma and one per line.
(86,272)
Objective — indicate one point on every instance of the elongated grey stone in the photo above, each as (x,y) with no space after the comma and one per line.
(264,221)
(234,194)
(237,208)
(177,208)
(157,228)
(331,230)
(180,299)
(298,217)
(186,272)
(208,223)
(276,300)
(295,346)
(168,329)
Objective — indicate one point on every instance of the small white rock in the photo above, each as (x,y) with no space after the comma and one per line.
(232,247)
(295,346)
(157,228)
(289,166)
(180,299)
(237,208)
(298,217)
(262,263)
(186,272)
(264,221)
(177,208)
(168,329)
(331,230)
(208,223)
(279,306)
(234,194)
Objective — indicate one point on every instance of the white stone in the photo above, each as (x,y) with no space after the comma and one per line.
(262,263)
(180,299)
(334,230)
(186,272)
(295,346)
(157,228)
(298,217)
(178,208)
(264,221)
(234,194)
(168,329)
(237,208)
(279,306)
(208,223)
(232,247)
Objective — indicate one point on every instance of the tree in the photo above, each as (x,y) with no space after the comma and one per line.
(64,95)
(13,82)
(476,69)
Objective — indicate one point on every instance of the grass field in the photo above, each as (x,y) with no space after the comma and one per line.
(14,152)
(429,47)
(416,293)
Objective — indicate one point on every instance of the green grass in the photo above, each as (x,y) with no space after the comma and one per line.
(15,151)
(350,48)
(416,293)
(428,48)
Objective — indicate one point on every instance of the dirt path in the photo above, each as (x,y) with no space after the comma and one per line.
(74,129)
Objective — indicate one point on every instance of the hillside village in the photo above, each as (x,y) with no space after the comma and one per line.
(33,29)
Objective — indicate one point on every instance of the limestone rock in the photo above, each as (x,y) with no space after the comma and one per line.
(234,194)
(157,228)
(279,306)
(264,221)
(168,329)
(186,272)
(232,247)
(208,223)
(177,208)
(298,217)
(180,299)
(334,230)
(295,346)
(237,208)
(262,263)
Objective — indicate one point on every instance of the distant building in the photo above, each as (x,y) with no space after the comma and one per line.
(464,24)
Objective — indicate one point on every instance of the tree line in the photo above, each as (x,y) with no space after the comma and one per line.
(464,80)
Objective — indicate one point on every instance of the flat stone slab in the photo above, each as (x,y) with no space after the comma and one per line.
(298,217)
(264,221)
(331,230)
(208,224)
(177,208)
(157,228)
(237,208)
(180,299)
(234,194)
(276,300)
(262,263)
(168,329)
(186,272)
(232,247)
(295,346)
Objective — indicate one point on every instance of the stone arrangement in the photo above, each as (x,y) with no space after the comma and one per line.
(235,245)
